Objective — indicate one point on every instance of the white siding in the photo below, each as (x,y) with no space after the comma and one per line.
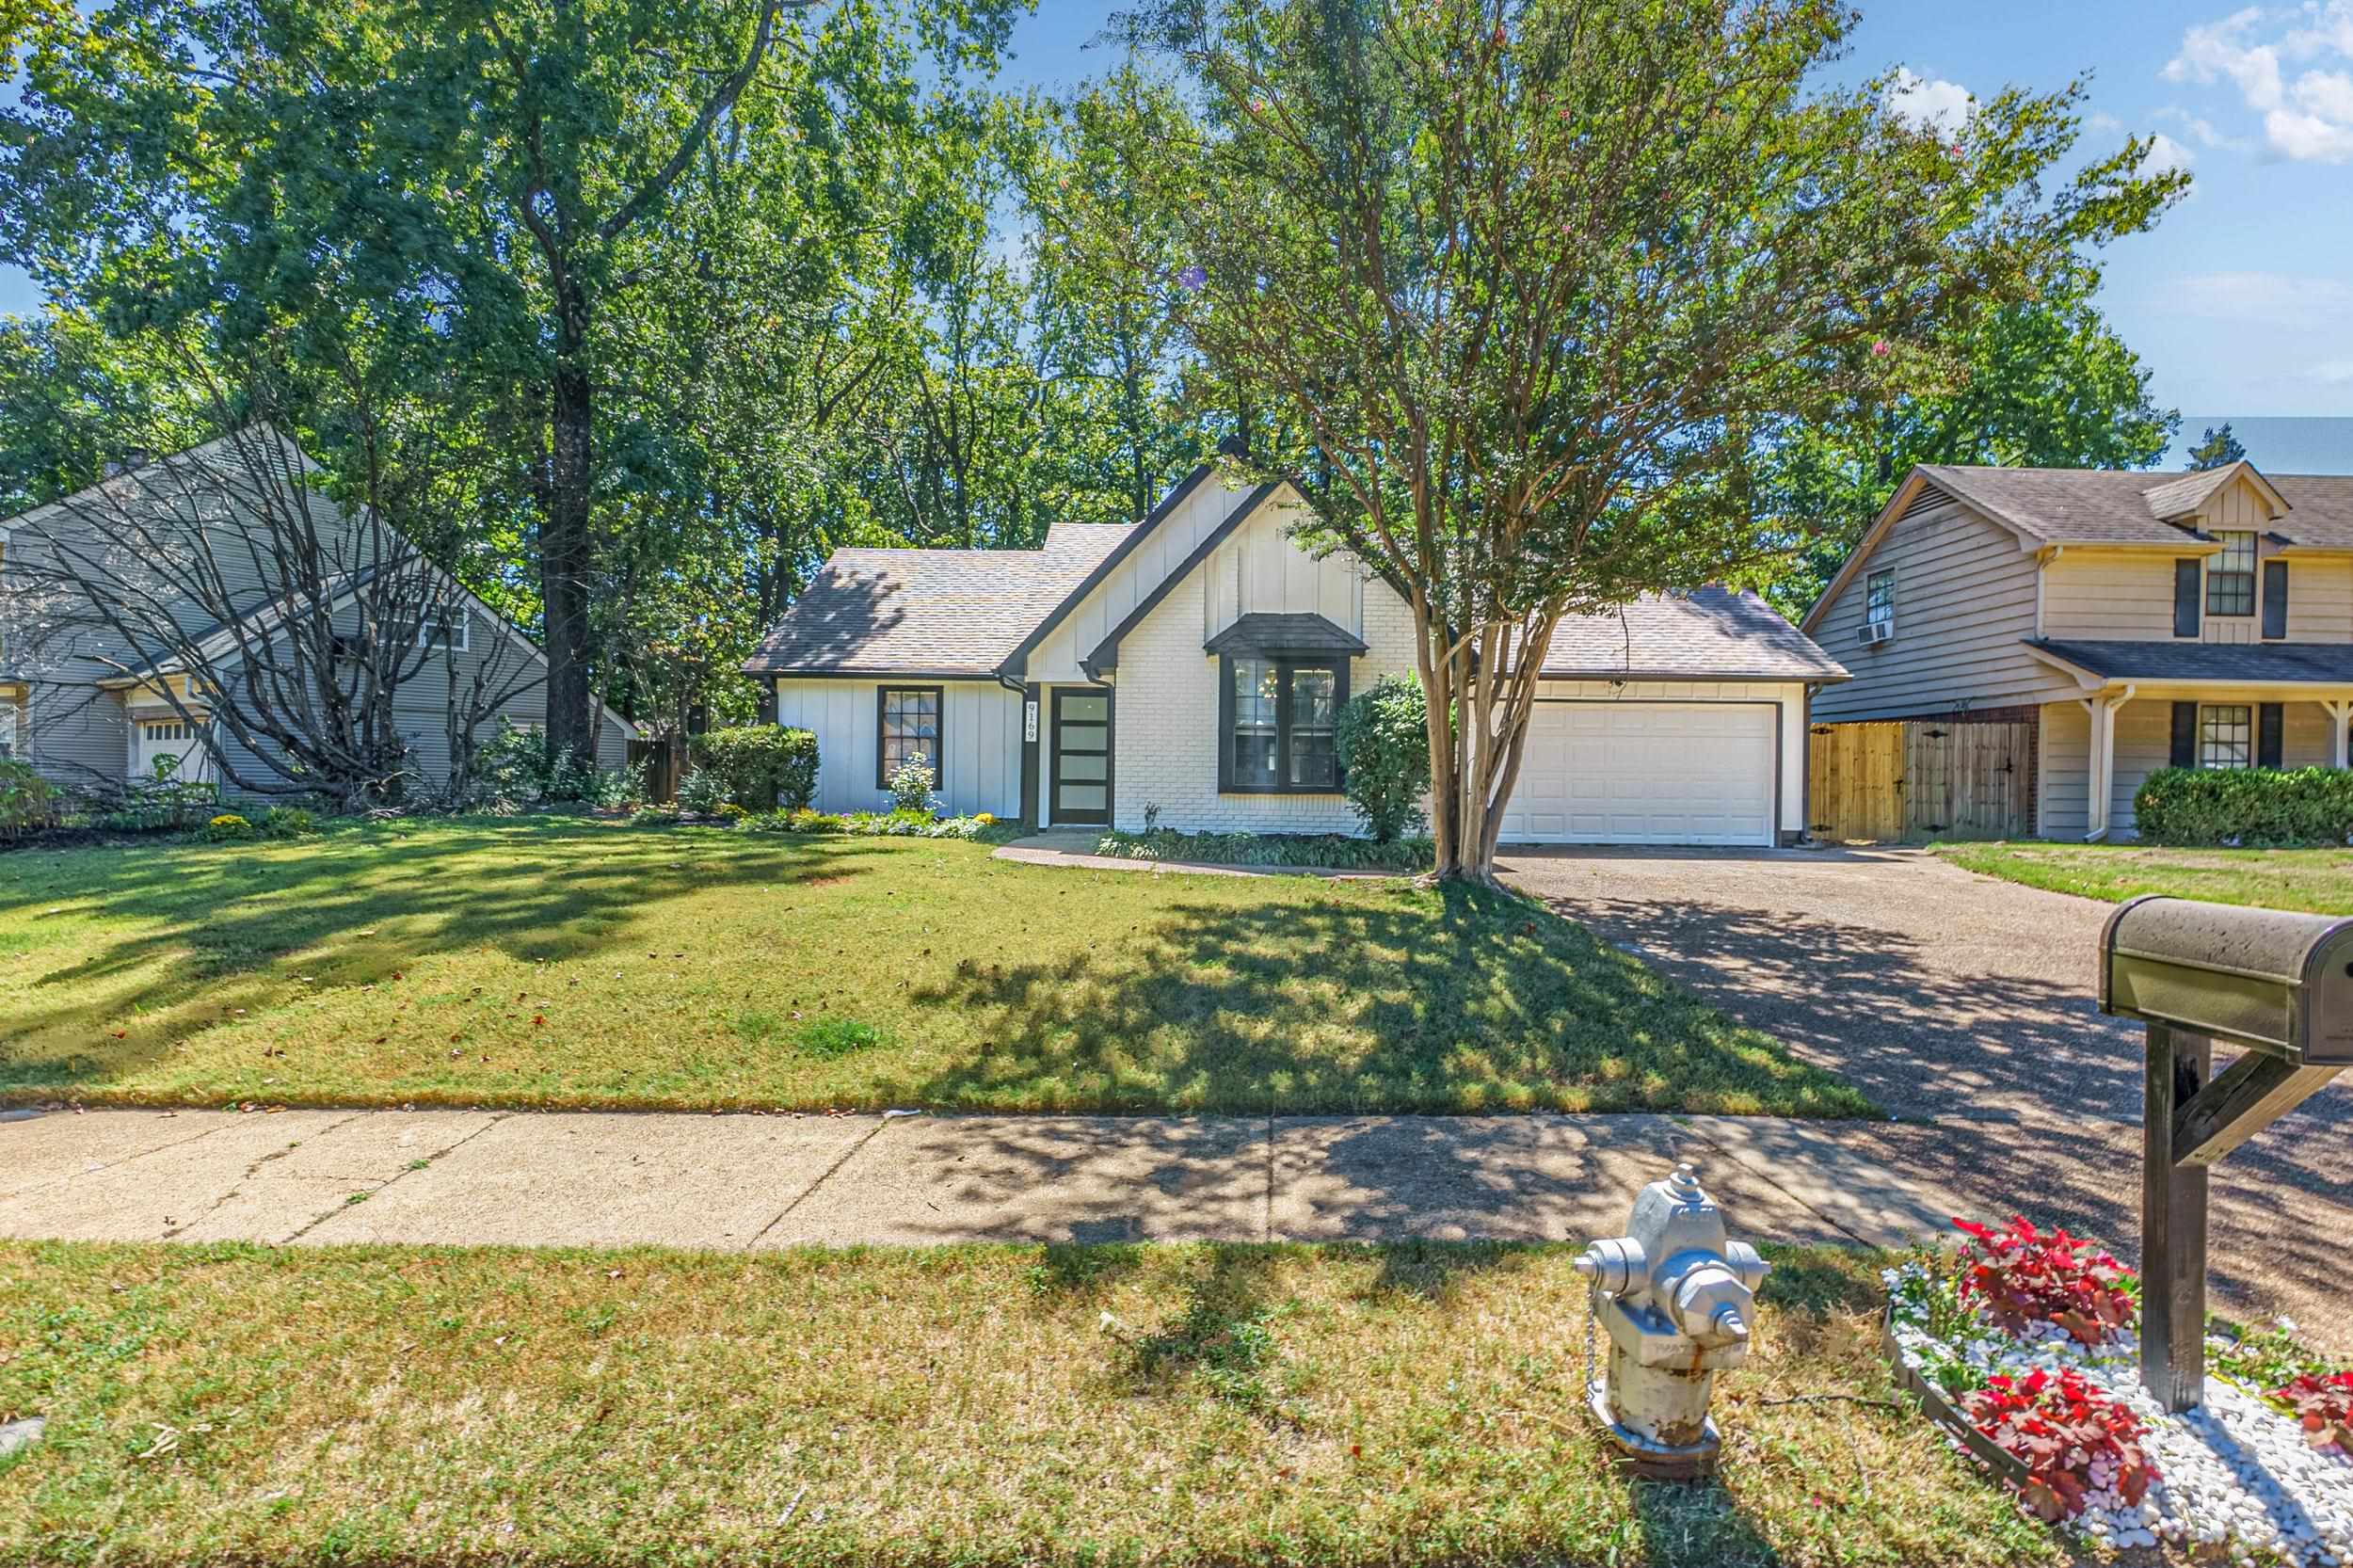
(1165,738)
(1965,605)
(1164,734)
(1056,659)
(979,734)
(1258,570)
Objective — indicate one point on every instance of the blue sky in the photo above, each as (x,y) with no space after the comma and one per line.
(2241,301)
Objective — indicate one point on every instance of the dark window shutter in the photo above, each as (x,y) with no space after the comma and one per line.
(2268,724)
(2185,735)
(2275,598)
(2186,599)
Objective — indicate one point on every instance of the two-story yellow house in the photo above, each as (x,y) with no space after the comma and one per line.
(2134,621)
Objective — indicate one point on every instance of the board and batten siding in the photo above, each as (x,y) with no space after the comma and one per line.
(1055,660)
(1258,570)
(1965,605)
(981,723)
(2144,743)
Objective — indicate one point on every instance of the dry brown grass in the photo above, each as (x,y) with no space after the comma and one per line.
(1408,1404)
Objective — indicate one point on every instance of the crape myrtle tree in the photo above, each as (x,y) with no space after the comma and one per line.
(1534,290)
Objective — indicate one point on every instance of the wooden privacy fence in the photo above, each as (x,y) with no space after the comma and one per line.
(1921,778)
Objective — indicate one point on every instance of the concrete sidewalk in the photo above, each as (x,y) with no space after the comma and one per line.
(736,1183)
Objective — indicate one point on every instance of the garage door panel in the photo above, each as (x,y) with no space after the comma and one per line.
(1645,773)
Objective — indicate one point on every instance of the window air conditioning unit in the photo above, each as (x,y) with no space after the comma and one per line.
(1875,632)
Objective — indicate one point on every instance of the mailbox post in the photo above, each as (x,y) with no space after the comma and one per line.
(2276,984)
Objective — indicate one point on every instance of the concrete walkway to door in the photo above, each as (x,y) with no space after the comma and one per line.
(743,1181)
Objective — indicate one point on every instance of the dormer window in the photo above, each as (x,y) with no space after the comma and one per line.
(2230,577)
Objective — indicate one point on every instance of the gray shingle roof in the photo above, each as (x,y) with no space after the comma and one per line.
(2321,663)
(929,612)
(1287,632)
(1710,634)
(2109,506)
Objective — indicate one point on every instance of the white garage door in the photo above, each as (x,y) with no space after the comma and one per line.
(1645,773)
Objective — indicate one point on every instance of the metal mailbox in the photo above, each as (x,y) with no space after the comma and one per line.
(2278,984)
(2269,978)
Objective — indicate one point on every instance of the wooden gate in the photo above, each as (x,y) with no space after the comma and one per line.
(1923,779)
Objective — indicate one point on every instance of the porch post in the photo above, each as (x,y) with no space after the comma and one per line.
(2338,712)
(2100,766)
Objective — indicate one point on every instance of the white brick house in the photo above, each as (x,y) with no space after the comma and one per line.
(1188,668)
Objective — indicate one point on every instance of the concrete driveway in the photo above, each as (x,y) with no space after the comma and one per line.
(1964,1005)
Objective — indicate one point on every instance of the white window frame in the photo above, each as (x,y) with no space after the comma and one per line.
(462,643)
(2236,735)
(2235,542)
(9,714)
(1879,609)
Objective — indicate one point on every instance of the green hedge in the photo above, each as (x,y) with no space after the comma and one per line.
(2245,806)
(766,766)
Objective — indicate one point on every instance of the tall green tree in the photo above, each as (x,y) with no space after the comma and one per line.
(455,197)
(1541,285)
(2042,383)
(2220,449)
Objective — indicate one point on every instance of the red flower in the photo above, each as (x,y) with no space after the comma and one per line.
(2020,1275)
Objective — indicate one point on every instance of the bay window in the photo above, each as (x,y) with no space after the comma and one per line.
(1278,723)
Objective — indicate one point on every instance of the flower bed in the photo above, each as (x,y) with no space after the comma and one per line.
(2029,1338)
(1316,851)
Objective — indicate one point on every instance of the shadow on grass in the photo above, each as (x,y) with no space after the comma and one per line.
(1396,1000)
(222,918)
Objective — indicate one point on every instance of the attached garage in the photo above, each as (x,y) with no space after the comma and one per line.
(1604,772)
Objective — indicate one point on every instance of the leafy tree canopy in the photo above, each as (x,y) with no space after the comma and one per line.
(1537,289)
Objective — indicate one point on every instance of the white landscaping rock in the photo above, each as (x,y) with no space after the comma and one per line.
(22,1434)
(2234,1472)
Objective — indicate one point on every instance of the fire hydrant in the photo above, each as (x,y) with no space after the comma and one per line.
(1678,1299)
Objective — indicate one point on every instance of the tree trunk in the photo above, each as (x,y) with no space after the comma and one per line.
(1478,730)
(565,551)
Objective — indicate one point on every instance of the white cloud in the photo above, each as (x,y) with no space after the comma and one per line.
(2202,132)
(2337,373)
(2277,299)
(1929,105)
(2165,155)
(2306,117)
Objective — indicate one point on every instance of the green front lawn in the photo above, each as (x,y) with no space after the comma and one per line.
(1406,1405)
(2316,880)
(573,963)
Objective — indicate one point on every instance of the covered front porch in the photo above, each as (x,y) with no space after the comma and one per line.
(2282,706)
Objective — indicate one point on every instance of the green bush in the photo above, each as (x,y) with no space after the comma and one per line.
(763,766)
(1383,743)
(28,804)
(703,792)
(2245,806)
(288,822)
(1321,851)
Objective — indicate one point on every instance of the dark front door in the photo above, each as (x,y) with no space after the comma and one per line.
(1082,758)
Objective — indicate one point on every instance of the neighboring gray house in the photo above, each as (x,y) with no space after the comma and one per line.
(1188,668)
(93,705)
(2134,621)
